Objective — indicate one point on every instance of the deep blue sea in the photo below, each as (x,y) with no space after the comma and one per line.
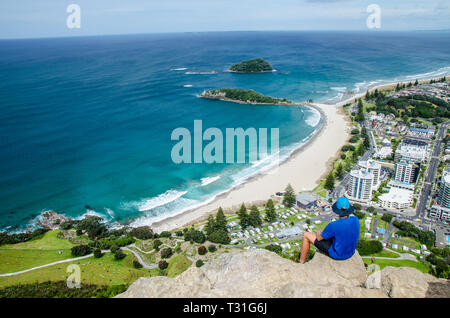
(88,121)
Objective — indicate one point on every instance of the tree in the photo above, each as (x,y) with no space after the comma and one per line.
(254,217)
(289,196)
(371,209)
(93,226)
(360,215)
(340,171)
(220,222)
(156,244)
(212,248)
(416,83)
(119,254)
(202,250)
(98,253)
(329,182)
(387,217)
(199,263)
(270,211)
(142,232)
(366,143)
(195,236)
(220,237)
(357,206)
(210,225)
(365,247)
(136,264)
(165,234)
(163,264)
(81,250)
(243,216)
(166,252)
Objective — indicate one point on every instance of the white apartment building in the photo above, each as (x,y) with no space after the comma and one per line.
(373,167)
(404,171)
(439,212)
(360,186)
(444,193)
(396,198)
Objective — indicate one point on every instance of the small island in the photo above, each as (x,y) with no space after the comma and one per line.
(243,96)
(252,66)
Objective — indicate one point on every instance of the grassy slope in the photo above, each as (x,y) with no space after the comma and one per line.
(102,271)
(177,265)
(41,251)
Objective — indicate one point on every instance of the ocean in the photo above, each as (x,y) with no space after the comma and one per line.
(87,121)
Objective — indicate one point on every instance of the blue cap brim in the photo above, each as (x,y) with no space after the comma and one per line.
(342,212)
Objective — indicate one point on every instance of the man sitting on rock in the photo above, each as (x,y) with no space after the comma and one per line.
(338,239)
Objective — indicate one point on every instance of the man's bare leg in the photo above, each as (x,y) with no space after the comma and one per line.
(308,239)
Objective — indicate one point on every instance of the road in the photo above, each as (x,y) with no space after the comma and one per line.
(430,174)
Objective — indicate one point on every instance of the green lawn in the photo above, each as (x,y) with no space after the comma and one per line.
(177,265)
(385,253)
(18,260)
(101,271)
(398,263)
(48,241)
(40,251)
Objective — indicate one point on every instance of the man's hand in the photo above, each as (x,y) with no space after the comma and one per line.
(318,236)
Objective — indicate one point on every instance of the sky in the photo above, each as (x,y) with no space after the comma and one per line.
(47,18)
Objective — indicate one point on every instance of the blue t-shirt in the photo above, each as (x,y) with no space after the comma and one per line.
(345,234)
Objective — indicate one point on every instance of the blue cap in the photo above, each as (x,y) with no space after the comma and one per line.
(342,207)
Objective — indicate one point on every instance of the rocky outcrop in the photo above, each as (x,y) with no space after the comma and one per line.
(260,273)
(51,220)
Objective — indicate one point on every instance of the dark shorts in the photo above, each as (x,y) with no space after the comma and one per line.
(323,245)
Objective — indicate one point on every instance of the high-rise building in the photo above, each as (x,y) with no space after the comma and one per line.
(404,171)
(360,186)
(444,193)
(373,167)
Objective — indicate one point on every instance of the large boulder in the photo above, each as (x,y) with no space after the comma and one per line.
(405,282)
(260,273)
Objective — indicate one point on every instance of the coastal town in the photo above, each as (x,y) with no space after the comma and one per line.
(393,170)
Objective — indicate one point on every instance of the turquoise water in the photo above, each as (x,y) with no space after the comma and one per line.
(87,121)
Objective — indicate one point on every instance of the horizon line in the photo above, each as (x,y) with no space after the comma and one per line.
(224,31)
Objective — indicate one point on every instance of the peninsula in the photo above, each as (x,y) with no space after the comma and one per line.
(252,66)
(243,96)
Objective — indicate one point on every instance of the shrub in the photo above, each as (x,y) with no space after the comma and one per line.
(202,250)
(360,215)
(136,264)
(98,253)
(119,254)
(81,250)
(165,234)
(179,233)
(212,248)
(387,217)
(163,264)
(365,247)
(199,263)
(67,225)
(156,244)
(195,236)
(166,252)
(79,232)
(142,232)
(93,226)
(114,248)
(220,237)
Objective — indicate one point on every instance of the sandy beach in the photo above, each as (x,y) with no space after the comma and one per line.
(303,170)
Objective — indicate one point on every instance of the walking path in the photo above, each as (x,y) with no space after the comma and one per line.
(402,256)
